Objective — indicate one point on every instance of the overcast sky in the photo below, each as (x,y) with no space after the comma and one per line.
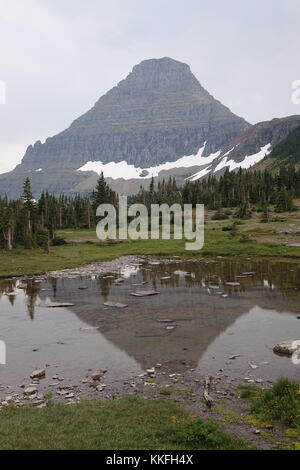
(57,57)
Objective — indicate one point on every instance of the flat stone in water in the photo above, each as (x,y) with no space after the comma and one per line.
(57,305)
(233,284)
(145,293)
(115,305)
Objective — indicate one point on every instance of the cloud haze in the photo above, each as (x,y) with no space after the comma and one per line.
(57,57)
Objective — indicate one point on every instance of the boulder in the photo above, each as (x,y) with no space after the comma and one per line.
(287,348)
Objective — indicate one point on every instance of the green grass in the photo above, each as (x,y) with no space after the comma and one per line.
(125,424)
(168,391)
(20,261)
(280,404)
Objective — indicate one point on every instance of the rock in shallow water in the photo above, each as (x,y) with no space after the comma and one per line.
(57,305)
(145,293)
(287,348)
(115,305)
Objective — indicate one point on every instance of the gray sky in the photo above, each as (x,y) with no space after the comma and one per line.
(57,57)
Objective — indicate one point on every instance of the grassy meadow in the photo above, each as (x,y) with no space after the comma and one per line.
(250,238)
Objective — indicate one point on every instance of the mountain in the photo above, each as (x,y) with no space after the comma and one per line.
(158,121)
(288,150)
(253,145)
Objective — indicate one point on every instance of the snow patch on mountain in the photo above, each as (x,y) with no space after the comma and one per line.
(124,170)
(248,161)
(204,171)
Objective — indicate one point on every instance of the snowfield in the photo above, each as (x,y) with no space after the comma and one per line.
(123,170)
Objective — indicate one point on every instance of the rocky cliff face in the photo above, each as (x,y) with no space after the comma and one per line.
(258,136)
(158,114)
(288,150)
(251,146)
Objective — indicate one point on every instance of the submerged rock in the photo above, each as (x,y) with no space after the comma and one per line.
(145,293)
(115,305)
(57,305)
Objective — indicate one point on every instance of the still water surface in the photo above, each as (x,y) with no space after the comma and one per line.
(197,321)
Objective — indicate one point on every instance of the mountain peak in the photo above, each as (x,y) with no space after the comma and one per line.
(162,74)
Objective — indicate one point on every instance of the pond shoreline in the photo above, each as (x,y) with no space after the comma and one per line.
(186,385)
(186,390)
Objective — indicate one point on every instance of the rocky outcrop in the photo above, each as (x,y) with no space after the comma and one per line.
(253,139)
(288,150)
(252,146)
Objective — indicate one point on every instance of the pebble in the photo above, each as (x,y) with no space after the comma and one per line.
(96,376)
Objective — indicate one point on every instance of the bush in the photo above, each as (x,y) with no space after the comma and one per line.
(220,217)
(239,222)
(228,228)
(58,241)
(281,403)
(197,434)
(42,238)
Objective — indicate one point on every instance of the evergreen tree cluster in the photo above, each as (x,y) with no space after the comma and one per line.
(240,190)
(30,223)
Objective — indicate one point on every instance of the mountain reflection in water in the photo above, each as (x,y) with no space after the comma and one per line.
(197,320)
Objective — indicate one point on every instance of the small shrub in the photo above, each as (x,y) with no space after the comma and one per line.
(249,391)
(228,228)
(220,217)
(239,222)
(281,403)
(42,239)
(58,241)
(198,434)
